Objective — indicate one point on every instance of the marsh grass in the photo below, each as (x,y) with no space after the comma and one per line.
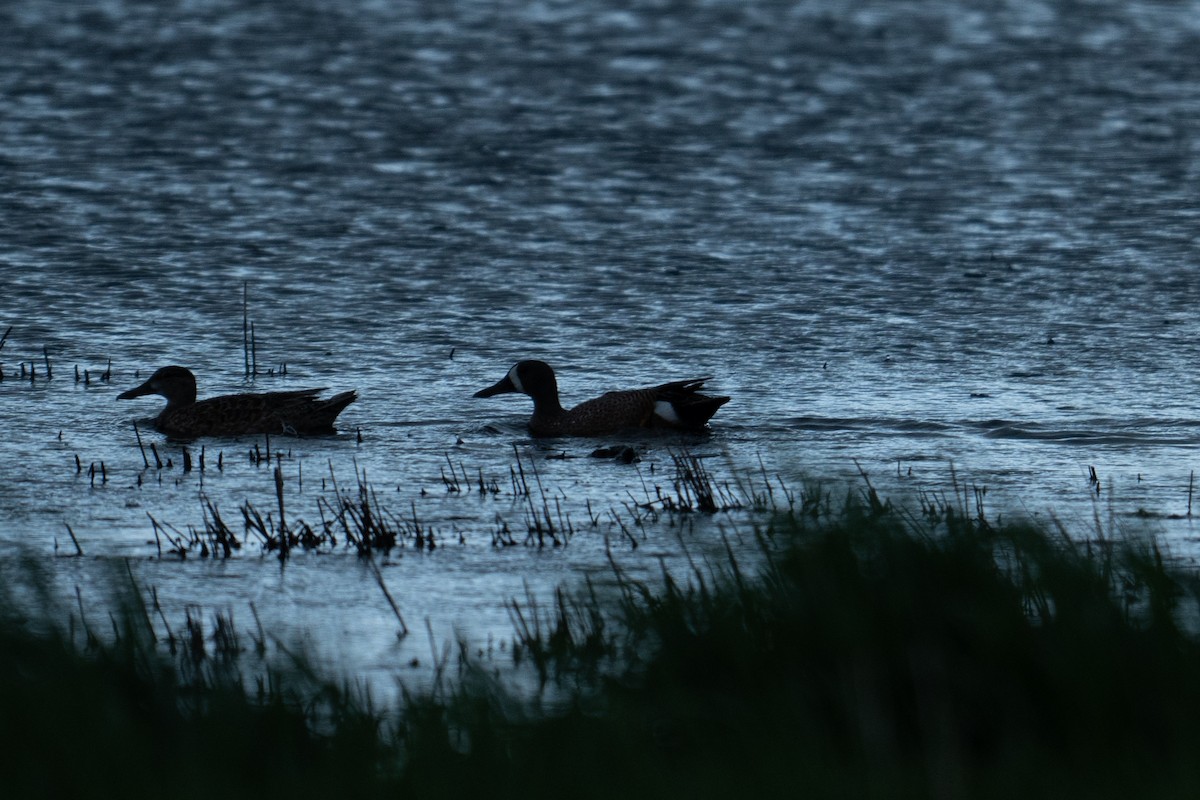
(367,525)
(874,650)
(114,717)
(879,654)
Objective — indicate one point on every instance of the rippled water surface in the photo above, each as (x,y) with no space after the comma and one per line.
(938,241)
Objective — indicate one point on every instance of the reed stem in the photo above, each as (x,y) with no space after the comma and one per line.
(246,325)
(138,434)
(78,549)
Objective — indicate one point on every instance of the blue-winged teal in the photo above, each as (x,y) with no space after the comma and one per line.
(297,412)
(673,405)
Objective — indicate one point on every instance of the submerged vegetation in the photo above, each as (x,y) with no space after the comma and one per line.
(875,652)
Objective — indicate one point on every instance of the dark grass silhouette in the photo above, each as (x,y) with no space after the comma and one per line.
(872,655)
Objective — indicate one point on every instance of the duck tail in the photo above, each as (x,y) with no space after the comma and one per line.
(695,410)
(336,404)
(685,406)
(319,415)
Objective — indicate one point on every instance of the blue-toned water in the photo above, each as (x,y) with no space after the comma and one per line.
(948,243)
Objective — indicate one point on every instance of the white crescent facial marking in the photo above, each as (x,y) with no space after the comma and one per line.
(665,410)
(512,376)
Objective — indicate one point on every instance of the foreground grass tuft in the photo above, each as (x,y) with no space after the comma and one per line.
(869,656)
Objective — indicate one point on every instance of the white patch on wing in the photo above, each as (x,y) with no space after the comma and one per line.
(665,410)
(512,376)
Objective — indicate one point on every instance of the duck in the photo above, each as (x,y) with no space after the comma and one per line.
(677,404)
(294,413)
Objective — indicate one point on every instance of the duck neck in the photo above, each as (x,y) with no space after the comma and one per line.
(179,397)
(545,404)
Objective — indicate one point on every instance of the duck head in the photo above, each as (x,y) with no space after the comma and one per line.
(177,384)
(534,378)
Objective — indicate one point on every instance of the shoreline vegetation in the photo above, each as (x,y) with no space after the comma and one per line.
(875,650)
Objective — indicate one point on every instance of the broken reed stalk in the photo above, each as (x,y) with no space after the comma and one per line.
(283,538)
(4,338)
(217,530)
(246,325)
(92,472)
(1191,485)
(157,539)
(78,549)
(524,485)
(628,534)
(451,483)
(257,525)
(537,522)
(260,641)
(46,355)
(388,596)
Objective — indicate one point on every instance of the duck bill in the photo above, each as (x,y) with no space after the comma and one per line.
(140,391)
(502,386)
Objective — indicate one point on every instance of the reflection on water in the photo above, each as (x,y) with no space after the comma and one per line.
(939,243)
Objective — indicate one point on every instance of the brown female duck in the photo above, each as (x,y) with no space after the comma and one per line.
(673,405)
(297,412)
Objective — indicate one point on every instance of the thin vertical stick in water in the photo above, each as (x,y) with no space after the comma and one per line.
(388,596)
(157,539)
(2,340)
(78,549)
(279,497)
(285,542)
(138,434)
(46,355)
(1192,480)
(246,325)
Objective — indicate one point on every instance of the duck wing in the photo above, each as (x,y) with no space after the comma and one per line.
(677,404)
(290,412)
